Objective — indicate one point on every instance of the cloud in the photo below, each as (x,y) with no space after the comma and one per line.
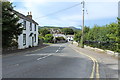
(95,11)
(71,17)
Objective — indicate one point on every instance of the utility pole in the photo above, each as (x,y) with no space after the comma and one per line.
(82,37)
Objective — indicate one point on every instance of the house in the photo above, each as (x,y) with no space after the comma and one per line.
(29,36)
(54,31)
(59,35)
(70,37)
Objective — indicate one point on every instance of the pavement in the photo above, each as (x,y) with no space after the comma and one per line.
(20,51)
(62,60)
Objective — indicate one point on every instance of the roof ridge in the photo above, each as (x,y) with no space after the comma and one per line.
(24,17)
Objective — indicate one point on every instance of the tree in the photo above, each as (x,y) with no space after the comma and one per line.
(67,31)
(114,34)
(48,38)
(118,35)
(10,26)
(105,37)
(86,30)
(44,31)
(77,36)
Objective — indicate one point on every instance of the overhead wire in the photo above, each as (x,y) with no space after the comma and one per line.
(61,11)
(58,11)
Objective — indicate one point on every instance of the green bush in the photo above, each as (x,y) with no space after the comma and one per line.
(60,38)
(43,32)
(68,31)
(48,38)
(104,37)
(77,36)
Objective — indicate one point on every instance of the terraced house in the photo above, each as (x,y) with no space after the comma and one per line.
(29,36)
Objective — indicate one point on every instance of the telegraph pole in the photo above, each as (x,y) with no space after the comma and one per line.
(82,37)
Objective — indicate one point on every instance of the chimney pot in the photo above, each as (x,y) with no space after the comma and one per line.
(30,13)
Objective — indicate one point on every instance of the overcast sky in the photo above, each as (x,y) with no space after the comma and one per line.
(99,12)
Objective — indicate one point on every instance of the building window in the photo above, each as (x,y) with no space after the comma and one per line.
(30,26)
(24,25)
(35,37)
(24,39)
(35,27)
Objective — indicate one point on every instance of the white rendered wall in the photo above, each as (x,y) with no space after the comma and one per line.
(28,37)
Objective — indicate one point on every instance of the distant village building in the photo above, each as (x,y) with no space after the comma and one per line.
(59,35)
(70,37)
(29,36)
(55,31)
(67,37)
(59,41)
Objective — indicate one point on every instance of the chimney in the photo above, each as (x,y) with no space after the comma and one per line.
(29,15)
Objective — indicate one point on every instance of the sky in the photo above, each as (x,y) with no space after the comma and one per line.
(97,12)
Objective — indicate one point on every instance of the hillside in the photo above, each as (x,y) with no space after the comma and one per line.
(54,27)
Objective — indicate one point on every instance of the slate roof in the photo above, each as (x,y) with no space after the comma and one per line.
(24,17)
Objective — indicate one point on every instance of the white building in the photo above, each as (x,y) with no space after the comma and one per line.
(70,37)
(59,35)
(29,36)
(67,37)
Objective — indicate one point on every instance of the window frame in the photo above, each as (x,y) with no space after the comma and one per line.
(24,39)
(34,37)
(35,27)
(30,26)
(24,24)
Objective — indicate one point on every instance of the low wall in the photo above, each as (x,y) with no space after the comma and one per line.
(116,54)
(109,52)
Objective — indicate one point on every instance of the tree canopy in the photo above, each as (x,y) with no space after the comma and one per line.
(78,34)
(68,31)
(48,38)
(10,26)
(44,31)
(105,37)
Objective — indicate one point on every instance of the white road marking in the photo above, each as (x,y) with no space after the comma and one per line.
(44,57)
(57,51)
(16,64)
(45,54)
(39,58)
(35,54)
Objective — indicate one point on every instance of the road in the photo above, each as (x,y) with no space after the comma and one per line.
(57,61)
